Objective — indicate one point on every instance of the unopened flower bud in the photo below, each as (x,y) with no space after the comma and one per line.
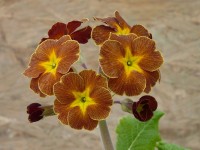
(143,109)
(36,112)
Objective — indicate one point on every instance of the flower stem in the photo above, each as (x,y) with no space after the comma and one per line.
(105,136)
(84,65)
(117,102)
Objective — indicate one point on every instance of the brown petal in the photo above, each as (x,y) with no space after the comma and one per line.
(62,110)
(46,82)
(63,39)
(72,26)
(34,71)
(98,112)
(45,49)
(121,21)
(69,53)
(57,30)
(139,30)
(35,88)
(69,47)
(63,93)
(110,53)
(91,79)
(151,61)
(131,85)
(110,21)
(35,60)
(78,120)
(82,35)
(69,83)
(101,33)
(125,40)
(60,107)
(142,45)
(101,96)
(63,118)
(151,79)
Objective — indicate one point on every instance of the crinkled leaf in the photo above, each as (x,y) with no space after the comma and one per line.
(167,146)
(135,135)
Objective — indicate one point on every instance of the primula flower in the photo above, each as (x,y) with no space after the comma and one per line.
(131,63)
(82,99)
(51,60)
(37,112)
(59,29)
(118,26)
(143,109)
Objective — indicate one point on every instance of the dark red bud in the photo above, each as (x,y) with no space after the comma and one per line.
(143,109)
(36,116)
(35,112)
(32,107)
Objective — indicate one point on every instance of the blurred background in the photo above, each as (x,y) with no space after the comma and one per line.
(175,26)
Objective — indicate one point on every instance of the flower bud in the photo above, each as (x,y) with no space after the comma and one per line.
(36,112)
(143,109)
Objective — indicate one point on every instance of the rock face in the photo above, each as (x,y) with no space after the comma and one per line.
(175,26)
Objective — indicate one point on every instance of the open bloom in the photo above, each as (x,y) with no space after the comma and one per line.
(51,60)
(131,63)
(82,99)
(59,29)
(143,109)
(118,26)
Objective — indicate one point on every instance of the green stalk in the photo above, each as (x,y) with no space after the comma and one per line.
(105,136)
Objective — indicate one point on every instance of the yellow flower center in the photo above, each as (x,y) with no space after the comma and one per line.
(121,31)
(130,62)
(82,100)
(52,64)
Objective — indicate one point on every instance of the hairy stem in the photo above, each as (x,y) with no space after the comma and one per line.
(105,136)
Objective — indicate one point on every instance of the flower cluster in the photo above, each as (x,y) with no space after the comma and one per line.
(129,65)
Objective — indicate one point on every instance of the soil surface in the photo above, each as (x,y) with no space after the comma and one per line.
(175,26)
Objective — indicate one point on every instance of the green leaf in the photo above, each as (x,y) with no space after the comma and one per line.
(135,135)
(167,146)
